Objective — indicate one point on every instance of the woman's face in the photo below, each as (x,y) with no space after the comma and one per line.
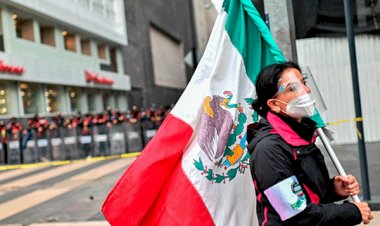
(291,85)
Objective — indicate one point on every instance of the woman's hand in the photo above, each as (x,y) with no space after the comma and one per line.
(345,186)
(365,211)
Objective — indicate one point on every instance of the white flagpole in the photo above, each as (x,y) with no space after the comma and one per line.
(333,157)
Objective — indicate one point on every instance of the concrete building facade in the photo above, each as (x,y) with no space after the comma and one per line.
(204,15)
(62,56)
(159,36)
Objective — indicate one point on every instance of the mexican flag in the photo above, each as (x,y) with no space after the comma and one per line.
(195,170)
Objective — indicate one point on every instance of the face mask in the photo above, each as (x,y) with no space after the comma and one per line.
(300,107)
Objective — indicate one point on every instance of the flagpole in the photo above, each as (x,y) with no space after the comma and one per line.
(333,157)
(357,102)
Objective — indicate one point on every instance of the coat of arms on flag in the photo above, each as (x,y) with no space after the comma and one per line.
(217,127)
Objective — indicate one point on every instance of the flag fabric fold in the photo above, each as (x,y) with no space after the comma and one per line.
(195,169)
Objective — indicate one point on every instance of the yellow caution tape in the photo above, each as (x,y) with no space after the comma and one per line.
(58,163)
(358,119)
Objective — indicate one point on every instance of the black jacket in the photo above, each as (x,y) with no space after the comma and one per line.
(284,150)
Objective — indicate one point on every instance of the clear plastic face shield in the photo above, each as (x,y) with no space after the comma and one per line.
(314,91)
(300,93)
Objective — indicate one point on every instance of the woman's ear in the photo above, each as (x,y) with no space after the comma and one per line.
(273,105)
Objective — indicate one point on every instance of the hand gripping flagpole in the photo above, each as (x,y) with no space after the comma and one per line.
(334,158)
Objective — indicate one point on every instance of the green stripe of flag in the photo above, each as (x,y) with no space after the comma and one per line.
(251,36)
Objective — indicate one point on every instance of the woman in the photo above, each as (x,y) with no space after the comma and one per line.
(288,170)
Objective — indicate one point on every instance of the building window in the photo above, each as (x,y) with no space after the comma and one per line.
(113,61)
(4,110)
(84,3)
(107,101)
(24,28)
(69,41)
(91,100)
(74,94)
(121,101)
(102,51)
(1,34)
(29,95)
(168,60)
(98,6)
(47,35)
(110,10)
(85,46)
(52,96)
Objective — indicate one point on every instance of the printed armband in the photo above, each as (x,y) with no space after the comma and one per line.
(287,197)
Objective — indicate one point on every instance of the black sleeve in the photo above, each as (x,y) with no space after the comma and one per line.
(331,195)
(272,163)
(328,214)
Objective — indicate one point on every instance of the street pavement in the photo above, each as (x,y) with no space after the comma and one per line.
(53,194)
(72,194)
(348,155)
(349,158)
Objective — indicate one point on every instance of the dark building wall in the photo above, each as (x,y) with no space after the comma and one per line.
(316,18)
(170,17)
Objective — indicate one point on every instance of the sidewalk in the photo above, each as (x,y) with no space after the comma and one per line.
(349,157)
(83,223)
(374,222)
(87,223)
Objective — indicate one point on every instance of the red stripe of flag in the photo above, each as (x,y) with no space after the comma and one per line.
(154,190)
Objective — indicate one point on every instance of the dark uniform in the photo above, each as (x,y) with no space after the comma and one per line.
(291,179)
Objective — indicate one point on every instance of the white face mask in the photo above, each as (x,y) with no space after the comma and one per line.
(300,107)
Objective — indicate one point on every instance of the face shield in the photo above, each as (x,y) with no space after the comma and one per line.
(294,90)
(319,103)
(314,91)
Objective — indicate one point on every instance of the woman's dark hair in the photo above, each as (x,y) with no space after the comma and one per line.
(267,85)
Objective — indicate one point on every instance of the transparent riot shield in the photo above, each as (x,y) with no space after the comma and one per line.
(101,141)
(70,146)
(56,144)
(86,143)
(149,129)
(44,151)
(14,151)
(117,139)
(29,144)
(134,138)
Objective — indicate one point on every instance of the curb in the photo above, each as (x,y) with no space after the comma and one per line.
(83,223)
(79,223)
(58,163)
(374,203)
